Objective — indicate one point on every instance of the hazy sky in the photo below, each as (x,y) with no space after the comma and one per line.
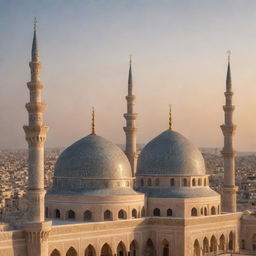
(179,57)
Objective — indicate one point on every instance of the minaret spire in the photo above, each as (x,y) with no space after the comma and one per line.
(36,226)
(130,128)
(170,118)
(34,51)
(93,122)
(228,153)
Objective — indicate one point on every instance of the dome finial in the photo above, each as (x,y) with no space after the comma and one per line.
(170,118)
(93,122)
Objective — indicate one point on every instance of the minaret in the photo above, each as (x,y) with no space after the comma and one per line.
(130,128)
(36,228)
(228,153)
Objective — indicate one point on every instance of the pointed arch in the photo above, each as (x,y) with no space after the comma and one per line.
(71,214)
(90,251)
(169,212)
(156,212)
(196,248)
(213,244)
(87,215)
(205,246)
(213,210)
(149,248)
(222,243)
(106,250)
(205,211)
(71,252)
(122,214)
(165,248)
(121,249)
(194,212)
(108,215)
(134,213)
(231,241)
(134,248)
(55,252)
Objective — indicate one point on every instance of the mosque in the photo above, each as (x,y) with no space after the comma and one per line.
(106,202)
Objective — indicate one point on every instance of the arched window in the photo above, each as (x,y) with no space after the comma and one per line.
(134,213)
(121,250)
(142,182)
(57,214)
(122,214)
(71,214)
(169,212)
(149,182)
(205,182)
(185,182)
(165,246)
(196,248)
(205,246)
(231,241)
(222,243)
(213,210)
(90,251)
(213,247)
(172,182)
(202,211)
(106,250)
(46,212)
(55,252)
(149,248)
(71,252)
(200,182)
(205,211)
(157,182)
(143,212)
(194,212)
(108,215)
(87,215)
(156,212)
(194,182)
(134,248)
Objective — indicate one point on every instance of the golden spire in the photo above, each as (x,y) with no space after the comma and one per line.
(93,122)
(170,118)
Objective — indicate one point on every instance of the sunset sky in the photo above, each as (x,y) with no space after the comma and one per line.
(179,57)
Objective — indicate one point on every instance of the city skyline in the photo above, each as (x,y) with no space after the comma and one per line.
(85,58)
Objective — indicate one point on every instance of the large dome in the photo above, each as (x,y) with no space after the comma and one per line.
(170,153)
(92,163)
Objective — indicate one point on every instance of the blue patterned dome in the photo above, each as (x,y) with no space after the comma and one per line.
(92,163)
(170,153)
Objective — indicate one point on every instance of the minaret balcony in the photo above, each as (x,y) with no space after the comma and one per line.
(129,116)
(130,129)
(37,107)
(228,130)
(229,108)
(34,85)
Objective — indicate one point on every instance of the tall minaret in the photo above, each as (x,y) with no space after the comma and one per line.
(130,128)
(36,228)
(228,153)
